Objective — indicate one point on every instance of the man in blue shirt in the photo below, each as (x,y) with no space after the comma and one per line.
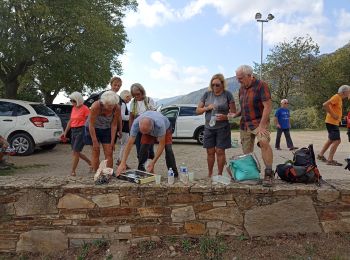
(153,125)
(282,122)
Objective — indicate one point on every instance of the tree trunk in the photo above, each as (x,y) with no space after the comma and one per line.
(11,88)
(49,97)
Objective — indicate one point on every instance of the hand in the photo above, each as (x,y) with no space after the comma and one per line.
(221,117)
(262,129)
(121,168)
(278,126)
(336,117)
(211,107)
(150,167)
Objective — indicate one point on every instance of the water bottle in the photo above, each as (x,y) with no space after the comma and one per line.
(171,176)
(184,173)
(212,121)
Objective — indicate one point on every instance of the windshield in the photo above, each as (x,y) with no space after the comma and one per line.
(42,110)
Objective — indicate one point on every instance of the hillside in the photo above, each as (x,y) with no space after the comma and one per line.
(193,97)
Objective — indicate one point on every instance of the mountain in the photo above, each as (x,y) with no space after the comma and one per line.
(194,97)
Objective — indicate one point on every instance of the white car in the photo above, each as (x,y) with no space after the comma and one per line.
(186,124)
(27,125)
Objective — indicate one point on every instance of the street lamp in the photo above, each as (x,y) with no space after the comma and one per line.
(262,21)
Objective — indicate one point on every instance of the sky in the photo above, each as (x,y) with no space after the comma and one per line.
(176,45)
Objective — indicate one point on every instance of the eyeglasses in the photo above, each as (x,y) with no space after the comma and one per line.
(73,101)
(216,85)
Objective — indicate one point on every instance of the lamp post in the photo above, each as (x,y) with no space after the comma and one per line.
(262,21)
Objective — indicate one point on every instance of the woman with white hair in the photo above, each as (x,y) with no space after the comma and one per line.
(101,128)
(125,96)
(76,123)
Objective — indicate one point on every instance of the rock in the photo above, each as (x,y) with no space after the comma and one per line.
(106,200)
(73,201)
(183,214)
(171,248)
(229,214)
(35,202)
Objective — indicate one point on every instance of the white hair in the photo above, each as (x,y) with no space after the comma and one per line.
(245,69)
(125,93)
(109,98)
(77,97)
(343,89)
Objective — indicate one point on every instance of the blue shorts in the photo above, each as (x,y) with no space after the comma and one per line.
(77,138)
(103,136)
(220,138)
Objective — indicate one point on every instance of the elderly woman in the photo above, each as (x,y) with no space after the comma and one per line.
(76,123)
(138,105)
(125,99)
(216,103)
(101,127)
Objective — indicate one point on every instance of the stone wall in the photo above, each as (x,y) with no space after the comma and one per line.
(50,214)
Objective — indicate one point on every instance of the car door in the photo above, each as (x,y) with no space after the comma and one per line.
(188,121)
(7,118)
(171,113)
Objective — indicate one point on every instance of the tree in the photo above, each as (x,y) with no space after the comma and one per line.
(64,45)
(289,65)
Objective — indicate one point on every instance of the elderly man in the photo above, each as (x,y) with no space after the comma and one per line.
(255,101)
(334,109)
(153,125)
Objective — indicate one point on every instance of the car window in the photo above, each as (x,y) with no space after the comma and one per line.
(21,111)
(6,108)
(42,110)
(170,111)
(188,111)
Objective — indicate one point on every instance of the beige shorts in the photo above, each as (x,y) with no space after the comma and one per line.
(248,139)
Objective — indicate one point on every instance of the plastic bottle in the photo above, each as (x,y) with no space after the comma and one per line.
(171,176)
(184,173)
(212,121)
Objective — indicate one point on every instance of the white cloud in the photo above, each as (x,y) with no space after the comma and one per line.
(224,30)
(195,70)
(343,22)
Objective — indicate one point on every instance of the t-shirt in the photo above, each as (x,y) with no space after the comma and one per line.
(283,115)
(78,116)
(138,107)
(160,124)
(336,105)
(221,102)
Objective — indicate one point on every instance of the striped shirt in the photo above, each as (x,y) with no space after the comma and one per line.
(251,100)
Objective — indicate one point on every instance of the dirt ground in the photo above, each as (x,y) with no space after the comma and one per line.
(58,161)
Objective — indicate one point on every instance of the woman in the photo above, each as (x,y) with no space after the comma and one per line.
(76,123)
(101,127)
(125,99)
(216,103)
(138,105)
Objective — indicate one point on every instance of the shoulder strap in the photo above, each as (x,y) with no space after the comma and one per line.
(133,107)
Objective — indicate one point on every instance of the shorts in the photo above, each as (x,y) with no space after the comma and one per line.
(77,138)
(149,139)
(220,138)
(333,132)
(248,139)
(103,136)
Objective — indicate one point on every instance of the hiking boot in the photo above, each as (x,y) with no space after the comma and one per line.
(268,178)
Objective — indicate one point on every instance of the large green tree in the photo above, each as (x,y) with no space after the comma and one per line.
(64,45)
(288,67)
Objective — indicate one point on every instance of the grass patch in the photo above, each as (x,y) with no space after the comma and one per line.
(15,168)
(212,247)
(147,246)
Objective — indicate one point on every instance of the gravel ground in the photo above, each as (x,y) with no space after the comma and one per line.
(58,161)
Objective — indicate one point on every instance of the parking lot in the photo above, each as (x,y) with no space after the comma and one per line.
(58,161)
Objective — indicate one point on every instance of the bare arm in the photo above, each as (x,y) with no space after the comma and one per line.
(276,122)
(266,113)
(160,149)
(115,122)
(67,128)
(202,109)
(95,108)
(128,147)
(120,126)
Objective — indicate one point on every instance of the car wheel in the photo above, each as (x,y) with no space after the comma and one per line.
(23,144)
(200,136)
(48,146)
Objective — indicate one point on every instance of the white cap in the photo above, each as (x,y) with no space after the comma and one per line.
(284,101)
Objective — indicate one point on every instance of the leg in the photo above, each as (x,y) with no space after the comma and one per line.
(278,138)
(170,159)
(247,140)
(123,141)
(143,156)
(288,138)
(95,158)
(75,162)
(333,149)
(108,151)
(151,152)
(85,158)
(138,143)
(221,159)
(325,147)
(210,160)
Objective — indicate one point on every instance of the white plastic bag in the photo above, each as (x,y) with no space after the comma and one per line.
(103,172)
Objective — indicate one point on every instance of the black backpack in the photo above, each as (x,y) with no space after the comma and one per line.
(302,169)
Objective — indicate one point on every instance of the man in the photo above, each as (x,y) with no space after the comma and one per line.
(3,145)
(334,109)
(153,125)
(255,102)
(282,122)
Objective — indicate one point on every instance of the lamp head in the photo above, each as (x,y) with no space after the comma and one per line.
(270,17)
(257,16)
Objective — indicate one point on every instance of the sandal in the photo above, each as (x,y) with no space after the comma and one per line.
(268,178)
(334,163)
(321,158)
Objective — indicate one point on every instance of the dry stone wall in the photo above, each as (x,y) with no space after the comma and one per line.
(53,214)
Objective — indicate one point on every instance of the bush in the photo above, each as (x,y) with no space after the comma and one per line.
(307,118)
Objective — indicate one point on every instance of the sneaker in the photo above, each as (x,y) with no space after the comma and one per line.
(268,178)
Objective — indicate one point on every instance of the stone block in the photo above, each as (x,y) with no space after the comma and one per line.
(106,200)
(282,190)
(154,212)
(84,236)
(7,245)
(199,207)
(132,201)
(117,212)
(345,198)
(73,201)
(230,230)
(219,203)
(195,228)
(75,216)
(35,202)
(118,236)
(61,222)
(245,201)
(328,195)
(214,224)
(229,214)
(102,230)
(342,226)
(212,232)
(42,241)
(217,197)
(77,229)
(183,214)
(291,216)
(124,229)
(327,214)
(150,230)
(184,198)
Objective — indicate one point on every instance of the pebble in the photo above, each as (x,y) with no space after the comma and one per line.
(171,248)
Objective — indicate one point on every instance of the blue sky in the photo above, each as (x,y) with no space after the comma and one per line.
(176,46)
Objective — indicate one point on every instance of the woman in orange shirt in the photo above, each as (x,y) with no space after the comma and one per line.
(76,123)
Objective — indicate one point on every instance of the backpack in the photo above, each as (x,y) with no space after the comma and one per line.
(302,169)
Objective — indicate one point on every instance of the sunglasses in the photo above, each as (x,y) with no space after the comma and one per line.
(216,85)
